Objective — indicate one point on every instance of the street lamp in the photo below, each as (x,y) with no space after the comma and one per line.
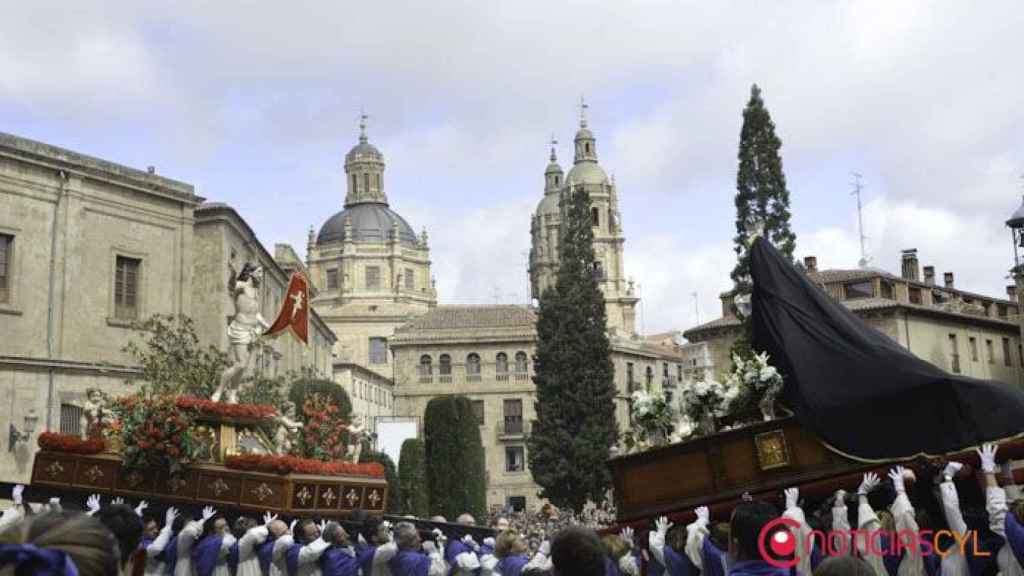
(15,436)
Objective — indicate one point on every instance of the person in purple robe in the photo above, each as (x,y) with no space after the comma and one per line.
(414,557)
(378,549)
(668,549)
(748,520)
(302,558)
(511,551)
(155,540)
(210,552)
(339,559)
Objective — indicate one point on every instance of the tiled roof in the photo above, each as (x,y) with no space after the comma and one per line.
(473,317)
(837,275)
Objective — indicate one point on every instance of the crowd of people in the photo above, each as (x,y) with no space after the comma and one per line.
(116,539)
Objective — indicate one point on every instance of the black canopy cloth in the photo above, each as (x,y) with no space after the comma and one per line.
(859,391)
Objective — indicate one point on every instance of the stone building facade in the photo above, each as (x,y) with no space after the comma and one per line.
(958,331)
(87,247)
(370,269)
(609,239)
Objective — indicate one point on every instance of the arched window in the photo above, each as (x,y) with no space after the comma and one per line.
(377,178)
(425,365)
(598,270)
(444,368)
(501,363)
(595,217)
(522,366)
(473,364)
(556,179)
(366,181)
(587,147)
(355,186)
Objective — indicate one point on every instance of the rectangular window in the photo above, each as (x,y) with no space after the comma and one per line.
(6,263)
(954,354)
(332,279)
(70,419)
(410,279)
(856,290)
(373,277)
(915,295)
(126,288)
(478,411)
(378,351)
(513,412)
(972,343)
(514,459)
(990,352)
(516,503)
(630,382)
(1006,352)
(1001,310)
(366,182)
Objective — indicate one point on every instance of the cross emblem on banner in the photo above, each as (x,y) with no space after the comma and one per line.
(352,498)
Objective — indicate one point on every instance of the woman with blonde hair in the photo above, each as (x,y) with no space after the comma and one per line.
(511,551)
(59,544)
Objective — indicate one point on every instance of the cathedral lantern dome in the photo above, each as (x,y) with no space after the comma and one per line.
(585,168)
(367,216)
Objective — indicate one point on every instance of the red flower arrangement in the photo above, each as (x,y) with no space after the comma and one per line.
(54,442)
(209,407)
(286,464)
(155,432)
(322,434)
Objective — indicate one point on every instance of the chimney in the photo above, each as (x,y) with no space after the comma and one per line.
(909,264)
(727,298)
(151,169)
(929,275)
(811,263)
(948,279)
(1011,292)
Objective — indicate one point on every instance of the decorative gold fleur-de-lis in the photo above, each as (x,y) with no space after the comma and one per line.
(304,496)
(352,498)
(374,498)
(329,497)
(262,492)
(133,479)
(94,473)
(219,487)
(54,469)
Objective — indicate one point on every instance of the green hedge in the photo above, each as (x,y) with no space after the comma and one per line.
(456,474)
(308,384)
(412,477)
(395,503)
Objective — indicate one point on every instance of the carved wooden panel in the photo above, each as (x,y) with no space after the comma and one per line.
(53,469)
(328,496)
(352,496)
(265,493)
(219,488)
(139,480)
(304,497)
(183,486)
(97,474)
(373,498)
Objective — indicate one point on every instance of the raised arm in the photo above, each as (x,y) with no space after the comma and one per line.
(162,539)
(541,561)
(438,567)
(802,533)
(656,540)
(841,524)
(868,525)
(13,514)
(902,511)
(696,532)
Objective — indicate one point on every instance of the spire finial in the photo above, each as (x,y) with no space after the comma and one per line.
(583,112)
(554,143)
(362,125)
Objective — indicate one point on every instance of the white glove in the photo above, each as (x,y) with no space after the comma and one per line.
(430,548)
(117,500)
(322,526)
(439,535)
(896,475)
(55,504)
(268,518)
(951,469)
(662,525)
(987,453)
(17,494)
(170,516)
(489,541)
(840,499)
(746,497)
(139,509)
(291,527)
(468,541)
(360,539)
(545,548)
(703,514)
(208,512)
(627,535)
(93,504)
(869,483)
(792,497)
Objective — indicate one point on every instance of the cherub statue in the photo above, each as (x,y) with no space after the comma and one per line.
(94,413)
(244,331)
(356,434)
(287,427)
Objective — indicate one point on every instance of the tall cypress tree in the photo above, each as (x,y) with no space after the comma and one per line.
(456,471)
(761,193)
(573,373)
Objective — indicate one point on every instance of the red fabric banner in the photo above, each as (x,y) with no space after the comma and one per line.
(294,314)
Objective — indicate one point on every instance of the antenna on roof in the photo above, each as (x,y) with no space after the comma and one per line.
(696,306)
(857,187)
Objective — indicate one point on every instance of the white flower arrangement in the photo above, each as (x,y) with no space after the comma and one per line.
(704,400)
(653,420)
(758,381)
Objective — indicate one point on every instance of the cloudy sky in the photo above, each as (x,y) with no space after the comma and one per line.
(256,103)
